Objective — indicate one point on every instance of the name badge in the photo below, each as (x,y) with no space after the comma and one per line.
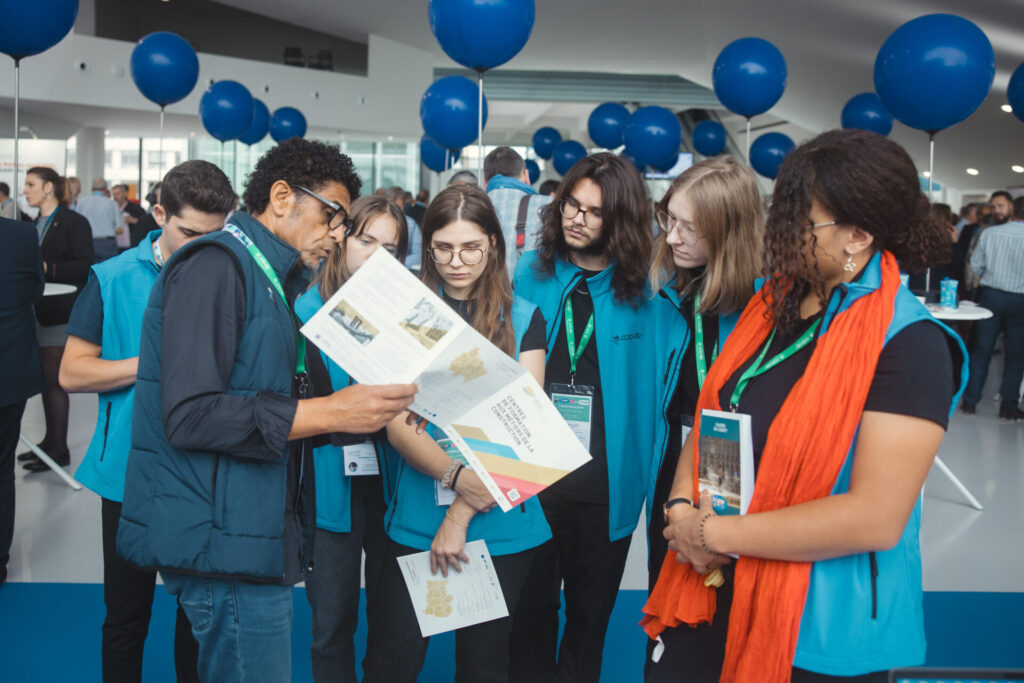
(361,459)
(575,403)
(443,496)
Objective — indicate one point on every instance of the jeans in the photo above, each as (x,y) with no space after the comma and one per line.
(10,428)
(244,629)
(581,554)
(128,596)
(1008,317)
(481,651)
(333,586)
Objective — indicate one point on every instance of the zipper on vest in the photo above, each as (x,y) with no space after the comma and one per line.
(106,428)
(394,498)
(213,480)
(668,368)
(873,561)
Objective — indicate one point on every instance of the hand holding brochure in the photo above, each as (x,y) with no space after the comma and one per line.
(384,326)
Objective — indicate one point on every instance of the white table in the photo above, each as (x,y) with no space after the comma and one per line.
(53,289)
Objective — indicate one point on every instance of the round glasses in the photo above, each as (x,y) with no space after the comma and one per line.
(687,233)
(469,257)
(570,208)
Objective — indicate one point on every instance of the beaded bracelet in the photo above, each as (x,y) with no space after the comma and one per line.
(446,480)
(703,541)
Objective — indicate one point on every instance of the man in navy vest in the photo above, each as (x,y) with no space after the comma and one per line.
(218,489)
(101,356)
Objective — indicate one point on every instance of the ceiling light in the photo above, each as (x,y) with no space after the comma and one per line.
(1017,168)
(972,171)
(927,174)
(1007,108)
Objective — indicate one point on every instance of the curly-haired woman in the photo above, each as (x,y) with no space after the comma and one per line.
(849,382)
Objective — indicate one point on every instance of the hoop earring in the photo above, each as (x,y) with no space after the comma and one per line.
(849,266)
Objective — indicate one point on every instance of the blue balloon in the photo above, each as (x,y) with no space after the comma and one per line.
(709,138)
(607,124)
(545,140)
(566,154)
(449,111)
(626,155)
(533,170)
(749,76)
(667,164)
(260,124)
(768,151)
(435,157)
(1015,92)
(934,71)
(226,110)
(33,26)
(481,34)
(165,67)
(287,122)
(865,111)
(652,134)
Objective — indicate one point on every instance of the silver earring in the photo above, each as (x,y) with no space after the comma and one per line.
(849,266)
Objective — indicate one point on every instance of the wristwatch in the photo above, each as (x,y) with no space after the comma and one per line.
(674,501)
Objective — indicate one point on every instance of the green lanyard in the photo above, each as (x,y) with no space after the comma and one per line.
(268,270)
(758,369)
(570,337)
(698,326)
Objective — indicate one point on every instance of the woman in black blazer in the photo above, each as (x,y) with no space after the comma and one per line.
(65,240)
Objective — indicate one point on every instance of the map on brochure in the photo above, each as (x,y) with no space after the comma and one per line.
(464,598)
(384,326)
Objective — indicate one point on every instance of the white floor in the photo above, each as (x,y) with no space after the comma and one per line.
(57,531)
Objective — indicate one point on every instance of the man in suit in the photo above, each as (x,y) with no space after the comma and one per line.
(21,286)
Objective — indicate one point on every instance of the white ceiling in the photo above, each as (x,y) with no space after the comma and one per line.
(829,45)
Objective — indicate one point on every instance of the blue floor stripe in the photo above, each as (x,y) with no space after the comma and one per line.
(51,632)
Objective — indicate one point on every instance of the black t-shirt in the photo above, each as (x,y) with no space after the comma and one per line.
(534,338)
(86,320)
(590,482)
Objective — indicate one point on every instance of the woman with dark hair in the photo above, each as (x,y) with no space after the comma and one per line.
(65,241)
(439,503)
(354,472)
(849,383)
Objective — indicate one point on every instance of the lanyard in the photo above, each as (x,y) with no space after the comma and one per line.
(46,225)
(758,369)
(268,270)
(157,254)
(575,353)
(698,325)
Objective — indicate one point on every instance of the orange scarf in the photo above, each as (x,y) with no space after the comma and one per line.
(807,444)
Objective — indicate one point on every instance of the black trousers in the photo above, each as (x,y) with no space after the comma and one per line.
(10,428)
(481,651)
(591,566)
(128,595)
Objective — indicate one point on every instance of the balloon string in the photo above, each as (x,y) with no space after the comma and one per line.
(17,129)
(480,125)
(161,164)
(748,141)
(931,176)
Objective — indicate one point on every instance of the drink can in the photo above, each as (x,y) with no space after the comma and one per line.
(947,293)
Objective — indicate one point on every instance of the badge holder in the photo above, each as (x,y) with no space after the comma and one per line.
(575,403)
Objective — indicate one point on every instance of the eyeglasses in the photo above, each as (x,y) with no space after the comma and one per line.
(687,233)
(338,217)
(570,208)
(822,225)
(469,257)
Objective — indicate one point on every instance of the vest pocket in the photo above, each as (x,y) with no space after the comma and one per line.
(106,428)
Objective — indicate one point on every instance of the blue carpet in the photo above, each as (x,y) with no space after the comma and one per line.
(51,632)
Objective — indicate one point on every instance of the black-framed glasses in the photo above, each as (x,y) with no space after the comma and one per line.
(469,257)
(685,229)
(570,208)
(338,218)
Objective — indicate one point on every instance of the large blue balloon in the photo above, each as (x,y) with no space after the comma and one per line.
(668,163)
(226,110)
(709,138)
(287,122)
(1015,92)
(632,159)
(934,71)
(768,152)
(545,140)
(652,134)
(28,27)
(533,169)
(607,124)
(435,157)
(865,111)
(481,34)
(260,124)
(566,154)
(749,76)
(449,111)
(165,67)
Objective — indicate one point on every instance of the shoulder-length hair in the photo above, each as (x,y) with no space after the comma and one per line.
(492,292)
(728,215)
(363,212)
(626,223)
